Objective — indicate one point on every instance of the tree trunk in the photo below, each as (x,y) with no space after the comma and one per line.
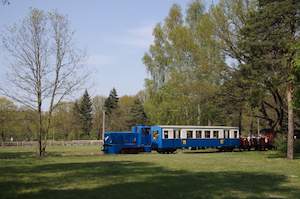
(240,119)
(199,115)
(290,137)
(251,124)
(40,139)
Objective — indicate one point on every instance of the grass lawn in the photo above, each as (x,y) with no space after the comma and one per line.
(83,172)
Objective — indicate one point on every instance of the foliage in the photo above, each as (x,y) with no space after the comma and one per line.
(267,42)
(85,111)
(186,69)
(137,114)
(280,143)
(64,123)
(7,117)
(111,103)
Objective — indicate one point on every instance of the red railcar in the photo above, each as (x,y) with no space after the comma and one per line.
(261,142)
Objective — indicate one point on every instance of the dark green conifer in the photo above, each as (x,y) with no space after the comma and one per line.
(137,114)
(111,103)
(86,116)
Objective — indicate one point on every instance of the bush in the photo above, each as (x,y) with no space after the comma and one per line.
(280,143)
(297,146)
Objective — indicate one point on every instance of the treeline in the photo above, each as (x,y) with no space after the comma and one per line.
(234,63)
(79,119)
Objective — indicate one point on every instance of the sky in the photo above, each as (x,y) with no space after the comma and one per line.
(115,34)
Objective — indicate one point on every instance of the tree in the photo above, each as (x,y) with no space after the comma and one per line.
(111,103)
(45,68)
(86,116)
(62,125)
(7,115)
(137,114)
(229,17)
(76,120)
(267,41)
(186,68)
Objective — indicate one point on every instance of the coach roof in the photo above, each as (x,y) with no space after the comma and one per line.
(197,127)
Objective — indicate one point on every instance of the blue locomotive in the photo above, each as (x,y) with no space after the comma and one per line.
(169,138)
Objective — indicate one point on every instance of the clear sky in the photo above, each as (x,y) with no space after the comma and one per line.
(114,33)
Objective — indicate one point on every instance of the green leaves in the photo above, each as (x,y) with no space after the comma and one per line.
(186,68)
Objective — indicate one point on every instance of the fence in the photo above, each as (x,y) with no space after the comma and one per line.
(53,143)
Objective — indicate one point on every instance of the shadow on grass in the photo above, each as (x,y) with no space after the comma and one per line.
(16,155)
(33,154)
(127,179)
(209,151)
(280,155)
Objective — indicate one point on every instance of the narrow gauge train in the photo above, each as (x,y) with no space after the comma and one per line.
(169,138)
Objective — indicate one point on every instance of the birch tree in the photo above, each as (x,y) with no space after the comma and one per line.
(44,66)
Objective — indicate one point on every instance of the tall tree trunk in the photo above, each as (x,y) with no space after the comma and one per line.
(240,119)
(40,133)
(290,137)
(198,114)
(251,124)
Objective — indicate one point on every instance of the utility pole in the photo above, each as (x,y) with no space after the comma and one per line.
(103,125)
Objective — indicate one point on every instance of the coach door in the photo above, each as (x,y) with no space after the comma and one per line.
(146,137)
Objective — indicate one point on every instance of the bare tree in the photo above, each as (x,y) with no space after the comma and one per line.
(5,2)
(45,66)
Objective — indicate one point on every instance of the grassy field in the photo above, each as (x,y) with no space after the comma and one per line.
(83,172)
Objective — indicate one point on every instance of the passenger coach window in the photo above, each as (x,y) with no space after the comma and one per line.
(235,134)
(216,134)
(166,134)
(189,134)
(176,134)
(207,134)
(226,134)
(198,134)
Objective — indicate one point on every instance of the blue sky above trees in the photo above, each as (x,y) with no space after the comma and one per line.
(114,34)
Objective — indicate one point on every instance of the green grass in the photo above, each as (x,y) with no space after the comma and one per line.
(83,172)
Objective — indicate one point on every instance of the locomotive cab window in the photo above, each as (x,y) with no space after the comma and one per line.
(198,134)
(189,134)
(146,131)
(207,134)
(155,135)
(215,134)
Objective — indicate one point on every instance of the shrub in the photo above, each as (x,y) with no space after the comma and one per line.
(280,143)
(297,146)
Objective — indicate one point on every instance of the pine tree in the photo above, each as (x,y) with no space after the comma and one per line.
(111,103)
(86,116)
(137,114)
(268,40)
